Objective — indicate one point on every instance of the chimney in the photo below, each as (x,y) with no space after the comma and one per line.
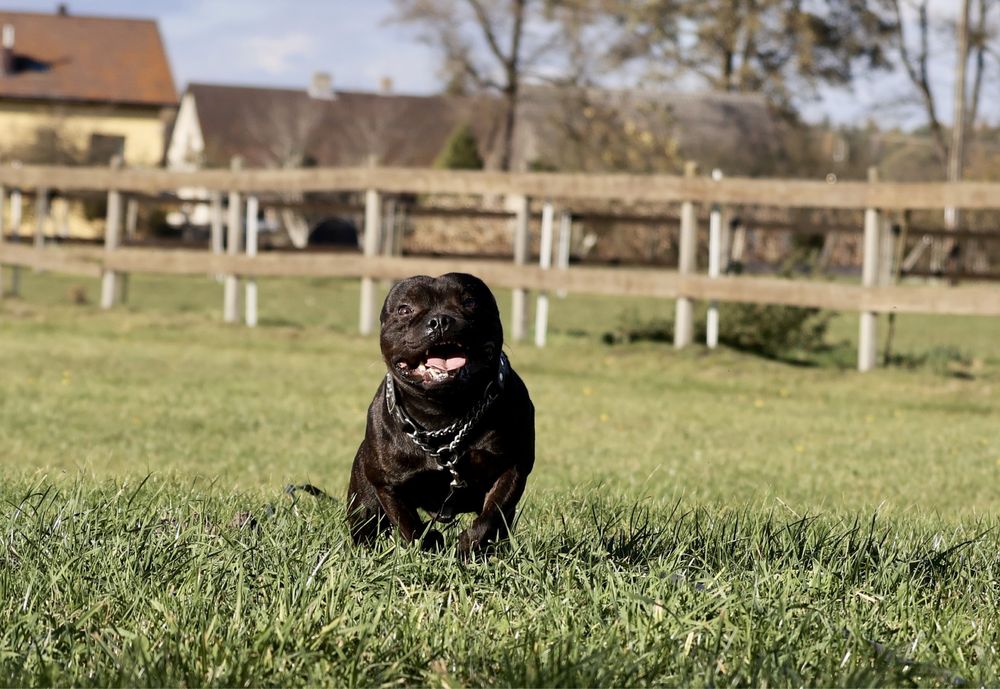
(321,86)
(7,50)
(385,85)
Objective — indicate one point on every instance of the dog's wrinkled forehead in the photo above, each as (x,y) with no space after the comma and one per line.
(424,292)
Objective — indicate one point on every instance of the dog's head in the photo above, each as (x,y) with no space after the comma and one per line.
(441,334)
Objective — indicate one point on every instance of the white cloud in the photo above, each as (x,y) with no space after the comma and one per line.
(277,55)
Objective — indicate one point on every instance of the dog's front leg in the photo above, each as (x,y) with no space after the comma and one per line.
(407,521)
(494,522)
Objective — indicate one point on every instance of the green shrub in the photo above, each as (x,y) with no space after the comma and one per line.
(461,151)
(631,328)
(946,361)
(770,330)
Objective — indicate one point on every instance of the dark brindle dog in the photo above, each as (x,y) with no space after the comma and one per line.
(451,428)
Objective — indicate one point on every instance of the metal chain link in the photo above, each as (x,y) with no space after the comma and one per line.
(460,429)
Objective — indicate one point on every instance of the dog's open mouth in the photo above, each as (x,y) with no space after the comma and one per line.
(439,363)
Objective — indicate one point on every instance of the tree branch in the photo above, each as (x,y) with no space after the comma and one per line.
(919,74)
(486,26)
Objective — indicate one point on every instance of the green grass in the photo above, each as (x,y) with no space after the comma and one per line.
(693,519)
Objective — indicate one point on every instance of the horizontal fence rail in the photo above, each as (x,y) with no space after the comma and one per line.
(887,213)
(971,300)
(619,187)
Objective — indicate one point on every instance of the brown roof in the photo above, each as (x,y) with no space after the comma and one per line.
(98,59)
(271,127)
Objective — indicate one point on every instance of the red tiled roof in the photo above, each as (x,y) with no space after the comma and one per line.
(97,59)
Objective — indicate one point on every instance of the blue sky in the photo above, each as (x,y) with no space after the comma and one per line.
(270,42)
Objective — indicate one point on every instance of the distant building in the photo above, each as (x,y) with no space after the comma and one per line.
(81,89)
(275,127)
(315,126)
(271,127)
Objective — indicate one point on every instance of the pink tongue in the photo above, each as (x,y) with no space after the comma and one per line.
(449,364)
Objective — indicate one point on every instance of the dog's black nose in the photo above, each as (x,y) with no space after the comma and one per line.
(439,323)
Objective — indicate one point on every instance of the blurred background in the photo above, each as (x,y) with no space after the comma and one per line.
(775,88)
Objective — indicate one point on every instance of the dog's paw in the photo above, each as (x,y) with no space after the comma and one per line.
(469,547)
(432,541)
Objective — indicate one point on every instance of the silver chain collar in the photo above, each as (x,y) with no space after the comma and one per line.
(443,443)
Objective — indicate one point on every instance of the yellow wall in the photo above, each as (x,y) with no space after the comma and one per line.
(142,127)
(66,218)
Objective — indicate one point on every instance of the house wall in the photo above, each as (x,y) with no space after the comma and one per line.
(66,219)
(185,151)
(142,127)
(186,145)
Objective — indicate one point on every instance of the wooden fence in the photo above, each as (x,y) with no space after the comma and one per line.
(875,295)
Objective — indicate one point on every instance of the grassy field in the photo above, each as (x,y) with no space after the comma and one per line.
(693,518)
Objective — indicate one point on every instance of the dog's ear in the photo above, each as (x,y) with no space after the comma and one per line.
(472,284)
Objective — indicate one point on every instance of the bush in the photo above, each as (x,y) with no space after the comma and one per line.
(631,328)
(461,151)
(770,330)
(946,361)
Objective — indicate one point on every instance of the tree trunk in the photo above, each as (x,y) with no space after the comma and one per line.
(509,121)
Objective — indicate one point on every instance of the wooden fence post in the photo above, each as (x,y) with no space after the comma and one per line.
(714,267)
(215,243)
(886,252)
(131,217)
(392,232)
(41,214)
(131,225)
(522,237)
(60,212)
(373,232)
(3,228)
(545,263)
(16,211)
(234,242)
(390,209)
(564,246)
(251,287)
(684,318)
(868,330)
(398,229)
(112,238)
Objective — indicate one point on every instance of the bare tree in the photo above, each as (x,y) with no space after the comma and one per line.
(374,128)
(283,131)
(282,128)
(783,48)
(972,38)
(594,130)
(486,46)
(916,53)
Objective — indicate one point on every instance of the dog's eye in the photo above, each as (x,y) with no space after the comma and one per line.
(404,310)
(469,303)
